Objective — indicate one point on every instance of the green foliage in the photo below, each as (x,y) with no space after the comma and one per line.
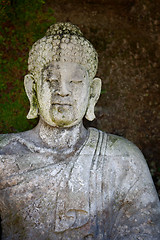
(22,22)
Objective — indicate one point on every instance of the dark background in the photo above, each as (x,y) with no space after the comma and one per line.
(126,35)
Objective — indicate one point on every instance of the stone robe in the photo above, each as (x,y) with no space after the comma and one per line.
(104,191)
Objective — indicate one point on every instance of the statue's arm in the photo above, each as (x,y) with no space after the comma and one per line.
(136,207)
(139,212)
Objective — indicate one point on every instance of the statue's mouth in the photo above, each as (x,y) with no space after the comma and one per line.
(61,108)
(62,104)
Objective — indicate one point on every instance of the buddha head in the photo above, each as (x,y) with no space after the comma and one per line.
(61,84)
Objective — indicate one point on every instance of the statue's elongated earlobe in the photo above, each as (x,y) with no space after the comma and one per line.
(95,91)
(30,89)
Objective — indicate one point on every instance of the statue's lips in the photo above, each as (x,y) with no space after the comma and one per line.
(61,108)
(62,104)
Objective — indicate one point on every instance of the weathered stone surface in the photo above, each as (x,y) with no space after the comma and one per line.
(61,181)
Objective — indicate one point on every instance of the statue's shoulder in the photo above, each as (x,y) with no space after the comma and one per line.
(11,143)
(6,139)
(120,146)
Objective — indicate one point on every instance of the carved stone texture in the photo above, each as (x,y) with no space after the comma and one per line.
(59,180)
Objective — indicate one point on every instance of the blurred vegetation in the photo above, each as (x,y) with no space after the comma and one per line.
(22,22)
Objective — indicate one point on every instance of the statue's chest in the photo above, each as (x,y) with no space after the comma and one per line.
(29,175)
(30,183)
(42,194)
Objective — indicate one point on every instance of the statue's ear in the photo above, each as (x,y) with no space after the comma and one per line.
(95,91)
(30,89)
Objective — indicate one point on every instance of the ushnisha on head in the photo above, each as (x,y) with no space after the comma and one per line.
(63,42)
(63,51)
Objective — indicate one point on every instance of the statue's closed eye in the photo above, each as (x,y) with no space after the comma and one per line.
(76,81)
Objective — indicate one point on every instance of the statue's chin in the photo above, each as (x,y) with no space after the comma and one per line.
(60,122)
(62,116)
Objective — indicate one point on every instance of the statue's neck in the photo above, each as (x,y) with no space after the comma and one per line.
(64,139)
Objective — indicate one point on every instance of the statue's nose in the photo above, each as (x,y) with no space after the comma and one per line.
(63,89)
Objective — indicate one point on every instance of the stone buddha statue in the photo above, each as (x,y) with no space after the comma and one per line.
(60,181)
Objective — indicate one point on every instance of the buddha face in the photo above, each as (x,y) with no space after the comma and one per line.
(63,93)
